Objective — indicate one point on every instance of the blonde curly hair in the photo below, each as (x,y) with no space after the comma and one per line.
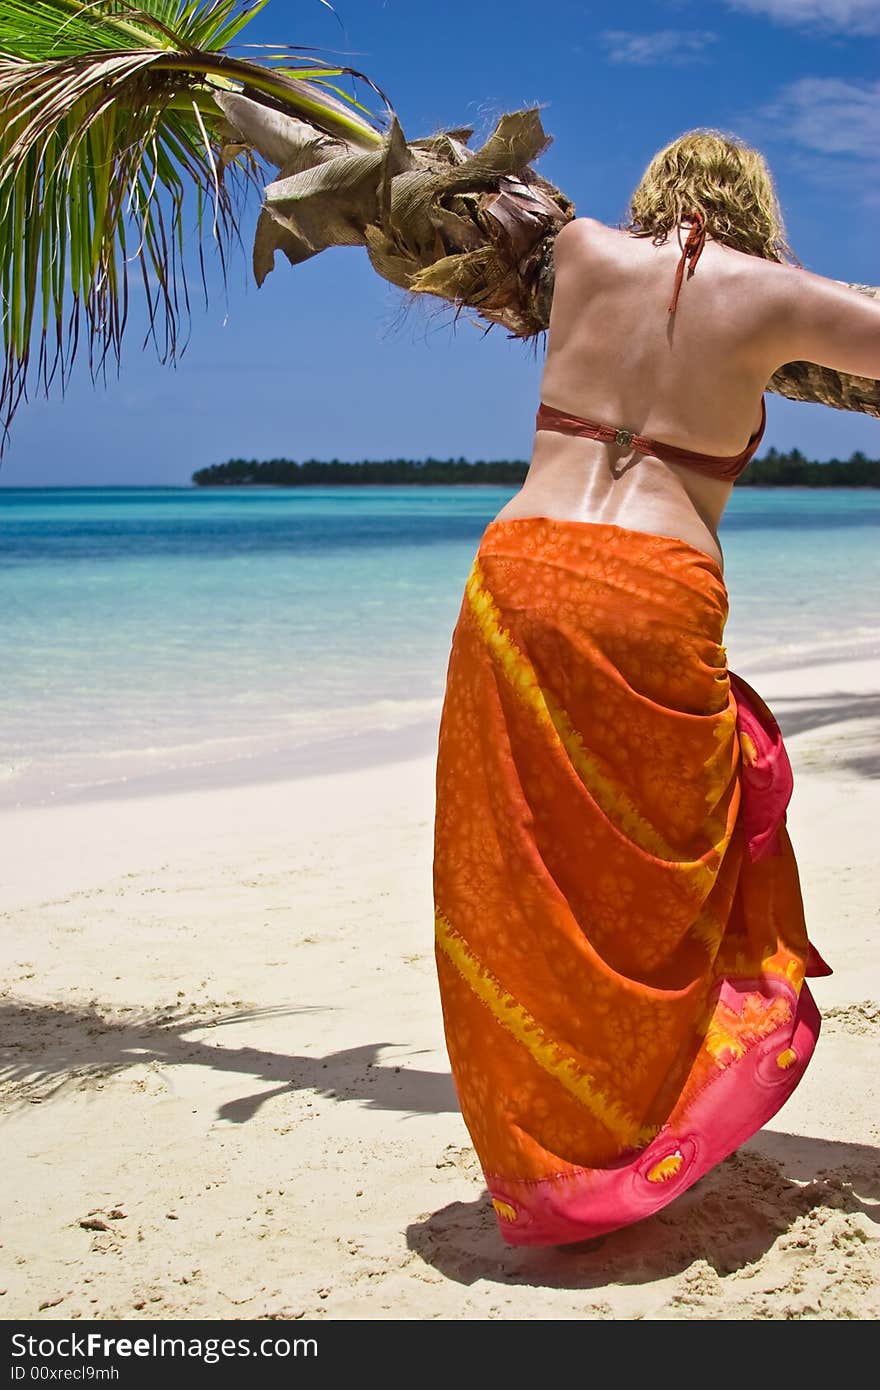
(722,180)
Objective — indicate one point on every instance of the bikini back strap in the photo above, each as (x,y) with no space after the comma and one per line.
(548,417)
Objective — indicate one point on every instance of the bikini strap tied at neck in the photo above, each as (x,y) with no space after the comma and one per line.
(691,251)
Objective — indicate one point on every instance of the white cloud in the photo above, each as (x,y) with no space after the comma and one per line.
(852,183)
(828,116)
(676,46)
(829,16)
(830,133)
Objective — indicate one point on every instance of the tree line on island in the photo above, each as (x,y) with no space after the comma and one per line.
(775,469)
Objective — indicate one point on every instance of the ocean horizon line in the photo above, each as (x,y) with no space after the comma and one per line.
(220,489)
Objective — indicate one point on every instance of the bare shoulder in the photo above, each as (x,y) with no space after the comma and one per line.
(779,283)
(582,232)
(785,286)
(588,249)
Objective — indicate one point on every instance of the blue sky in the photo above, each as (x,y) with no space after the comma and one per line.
(322,362)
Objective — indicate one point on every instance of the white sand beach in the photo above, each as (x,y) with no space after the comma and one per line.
(226,1093)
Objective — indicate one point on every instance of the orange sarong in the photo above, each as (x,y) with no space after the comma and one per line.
(621,971)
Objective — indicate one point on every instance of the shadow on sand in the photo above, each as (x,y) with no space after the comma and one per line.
(46,1047)
(858,753)
(729,1219)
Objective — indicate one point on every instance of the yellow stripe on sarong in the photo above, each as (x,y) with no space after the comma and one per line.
(542,1049)
(612,800)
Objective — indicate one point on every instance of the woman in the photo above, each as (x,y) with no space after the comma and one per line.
(621,947)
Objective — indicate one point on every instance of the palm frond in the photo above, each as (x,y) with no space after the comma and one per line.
(111,132)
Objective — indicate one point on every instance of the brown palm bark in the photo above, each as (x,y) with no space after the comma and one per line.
(475,228)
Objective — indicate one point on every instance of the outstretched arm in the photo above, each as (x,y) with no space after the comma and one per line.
(826,322)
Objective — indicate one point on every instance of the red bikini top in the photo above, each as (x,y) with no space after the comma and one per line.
(715,466)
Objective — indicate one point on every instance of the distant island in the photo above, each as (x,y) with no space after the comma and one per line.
(773,470)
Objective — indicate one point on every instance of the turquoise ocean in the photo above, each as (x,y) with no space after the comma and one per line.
(159,637)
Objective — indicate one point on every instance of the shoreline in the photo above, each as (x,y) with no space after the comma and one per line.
(844,666)
(340,753)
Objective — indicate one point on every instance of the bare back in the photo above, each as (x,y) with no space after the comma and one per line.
(693,379)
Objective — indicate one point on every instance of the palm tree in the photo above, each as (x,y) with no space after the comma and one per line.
(119,119)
